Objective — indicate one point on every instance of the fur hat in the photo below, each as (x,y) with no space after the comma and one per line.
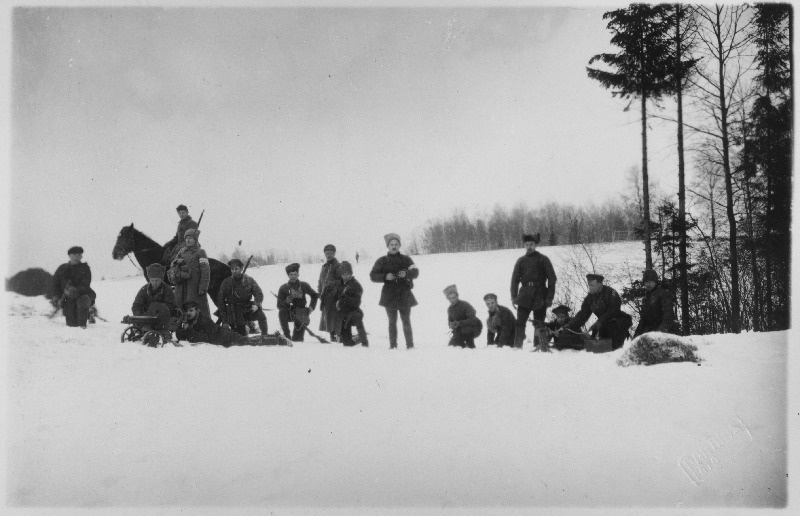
(561,309)
(191,304)
(329,247)
(595,277)
(182,207)
(490,296)
(649,275)
(532,238)
(235,261)
(345,268)
(292,267)
(155,270)
(75,250)
(450,289)
(192,232)
(388,237)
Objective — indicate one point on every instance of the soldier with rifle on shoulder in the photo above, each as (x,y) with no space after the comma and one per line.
(240,298)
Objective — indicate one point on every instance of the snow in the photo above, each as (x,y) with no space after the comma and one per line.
(93,422)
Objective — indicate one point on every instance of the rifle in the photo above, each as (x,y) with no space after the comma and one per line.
(58,305)
(201,218)
(302,324)
(247,264)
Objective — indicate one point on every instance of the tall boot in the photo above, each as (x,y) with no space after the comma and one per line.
(262,327)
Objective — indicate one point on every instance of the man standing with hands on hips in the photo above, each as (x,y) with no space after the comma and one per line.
(533,285)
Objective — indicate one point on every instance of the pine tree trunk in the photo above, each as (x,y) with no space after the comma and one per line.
(646,189)
(684,280)
(735,321)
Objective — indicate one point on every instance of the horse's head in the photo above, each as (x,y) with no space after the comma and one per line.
(125,242)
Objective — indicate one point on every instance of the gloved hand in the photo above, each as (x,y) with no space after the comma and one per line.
(453,325)
(226,326)
(254,308)
(390,277)
(71,292)
(402,274)
(55,301)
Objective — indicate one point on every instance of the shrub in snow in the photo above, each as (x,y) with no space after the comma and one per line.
(30,282)
(658,348)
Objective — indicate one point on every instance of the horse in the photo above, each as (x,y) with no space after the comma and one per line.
(148,252)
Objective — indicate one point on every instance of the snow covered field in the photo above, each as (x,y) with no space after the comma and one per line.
(93,422)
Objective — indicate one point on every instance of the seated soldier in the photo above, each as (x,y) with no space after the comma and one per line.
(291,303)
(185,223)
(239,300)
(198,327)
(72,288)
(462,320)
(657,313)
(348,303)
(563,339)
(156,298)
(500,324)
(604,302)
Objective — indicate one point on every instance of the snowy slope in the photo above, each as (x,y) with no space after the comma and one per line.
(95,422)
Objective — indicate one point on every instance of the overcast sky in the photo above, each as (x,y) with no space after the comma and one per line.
(297,127)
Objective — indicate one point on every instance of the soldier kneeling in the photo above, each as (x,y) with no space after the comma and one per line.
(561,337)
(348,303)
(240,299)
(462,320)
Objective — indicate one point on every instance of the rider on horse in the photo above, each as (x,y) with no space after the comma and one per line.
(172,247)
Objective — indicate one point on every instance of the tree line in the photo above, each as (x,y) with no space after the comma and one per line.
(724,244)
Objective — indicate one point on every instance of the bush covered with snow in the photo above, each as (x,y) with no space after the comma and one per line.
(658,348)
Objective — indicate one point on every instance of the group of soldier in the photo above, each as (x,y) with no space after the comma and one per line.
(240,300)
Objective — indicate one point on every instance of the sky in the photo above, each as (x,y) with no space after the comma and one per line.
(297,127)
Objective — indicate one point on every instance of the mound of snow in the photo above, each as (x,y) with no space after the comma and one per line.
(658,348)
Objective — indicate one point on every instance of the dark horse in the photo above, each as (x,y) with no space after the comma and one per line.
(147,252)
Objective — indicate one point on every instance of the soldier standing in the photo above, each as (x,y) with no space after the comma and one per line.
(330,319)
(657,307)
(190,272)
(604,302)
(500,324)
(155,298)
(239,300)
(185,223)
(535,274)
(397,272)
(291,303)
(348,303)
(72,288)
(461,320)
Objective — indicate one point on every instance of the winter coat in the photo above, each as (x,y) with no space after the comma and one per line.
(605,305)
(294,294)
(78,275)
(147,296)
(656,313)
(348,296)
(329,279)
(183,226)
(535,273)
(500,327)
(463,313)
(236,295)
(397,292)
(190,273)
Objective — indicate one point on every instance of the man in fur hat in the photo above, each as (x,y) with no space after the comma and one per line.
(330,319)
(397,272)
(348,304)
(292,303)
(185,223)
(239,300)
(500,326)
(533,285)
(461,320)
(604,302)
(191,273)
(72,288)
(657,313)
(155,298)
